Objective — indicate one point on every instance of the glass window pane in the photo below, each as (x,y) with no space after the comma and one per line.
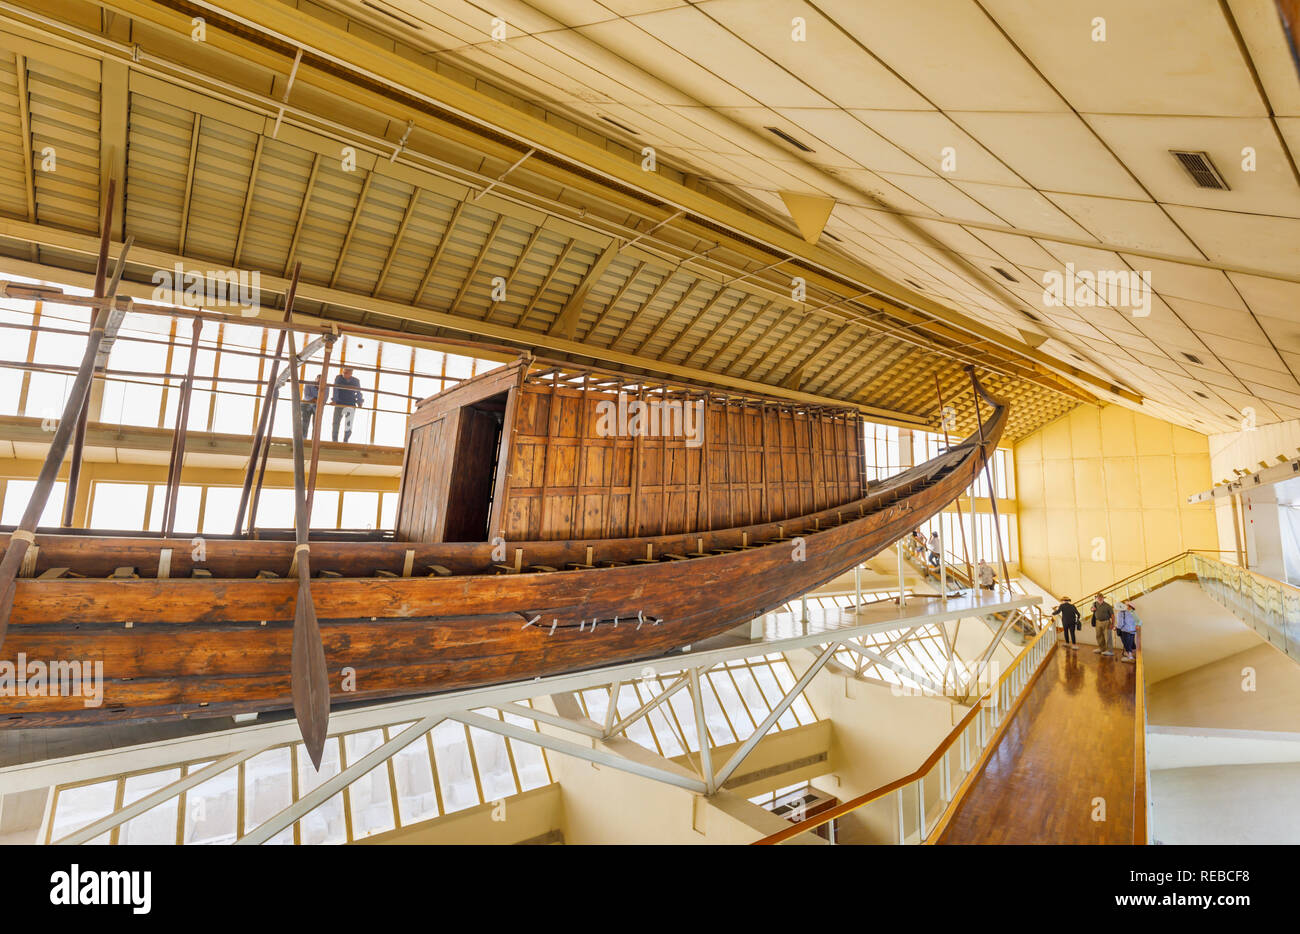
(369,797)
(530,760)
(79,806)
(118,505)
(210,810)
(494,771)
(455,772)
(324,824)
(325,509)
(359,509)
(19,492)
(220,508)
(158,824)
(416,798)
(268,790)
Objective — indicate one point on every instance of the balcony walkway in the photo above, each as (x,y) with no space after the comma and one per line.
(1070,743)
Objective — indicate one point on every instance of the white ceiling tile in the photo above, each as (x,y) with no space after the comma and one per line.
(942,197)
(948,50)
(1136,225)
(854,139)
(699,38)
(822,60)
(1140,67)
(1266,42)
(1144,144)
(693,83)
(1025,208)
(1244,240)
(928,137)
(1053,152)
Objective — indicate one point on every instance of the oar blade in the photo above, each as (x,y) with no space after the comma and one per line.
(308,673)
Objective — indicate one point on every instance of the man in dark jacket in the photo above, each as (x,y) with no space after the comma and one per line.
(1069,614)
(347,397)
(307,408)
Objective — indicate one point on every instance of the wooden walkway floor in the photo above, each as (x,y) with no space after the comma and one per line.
(1069,744)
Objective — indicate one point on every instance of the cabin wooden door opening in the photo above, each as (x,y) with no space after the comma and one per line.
(473,470)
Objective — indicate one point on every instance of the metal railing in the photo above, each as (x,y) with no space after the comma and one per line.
(914,808)
(1269,606)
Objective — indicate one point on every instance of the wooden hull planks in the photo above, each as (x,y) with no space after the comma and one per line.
(187,647)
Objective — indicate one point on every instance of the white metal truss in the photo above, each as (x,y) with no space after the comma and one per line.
(600,743)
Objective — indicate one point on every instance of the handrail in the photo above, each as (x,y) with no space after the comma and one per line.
(1141,778)
(1047,635)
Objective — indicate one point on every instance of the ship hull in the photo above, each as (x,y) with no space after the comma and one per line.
(183,647)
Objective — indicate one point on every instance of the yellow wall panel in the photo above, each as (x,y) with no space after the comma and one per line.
(1193,475)
(1112,474)
(1126,544)
(1187,441)
(1029,481)
(1058,483)
(1085,431)
(1122,490)
(1153,436)
(1156,480)
(1089,482)
(1117,435)
(1056,440)
(1061,532)
(1162,531)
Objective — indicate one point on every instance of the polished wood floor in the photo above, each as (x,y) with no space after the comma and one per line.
(1069,744)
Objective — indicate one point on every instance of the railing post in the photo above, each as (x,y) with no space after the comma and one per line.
(902,824)
(920,810)
(943,562)
(902,600)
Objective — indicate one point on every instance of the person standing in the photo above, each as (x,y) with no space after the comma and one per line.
(1126,626)
(934,549)
(307,408)
(1103,620)
(1069,614)
(347,397)
(984,574)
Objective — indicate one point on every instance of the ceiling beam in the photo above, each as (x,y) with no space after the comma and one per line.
(149,260)
(396,86)
(566,322)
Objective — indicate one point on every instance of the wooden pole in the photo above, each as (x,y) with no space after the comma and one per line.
(261,433)
(970,572)
(978,390)
(23,537)
(178,435)
(318,422)
(80,416)
(308,673)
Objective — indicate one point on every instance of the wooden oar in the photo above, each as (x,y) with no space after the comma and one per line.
(309,676)
(24,536)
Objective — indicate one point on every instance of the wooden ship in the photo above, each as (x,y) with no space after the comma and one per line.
(603,550)
(551,518)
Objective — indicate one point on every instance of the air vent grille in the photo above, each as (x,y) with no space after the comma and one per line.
(1201,169)
(777,131)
